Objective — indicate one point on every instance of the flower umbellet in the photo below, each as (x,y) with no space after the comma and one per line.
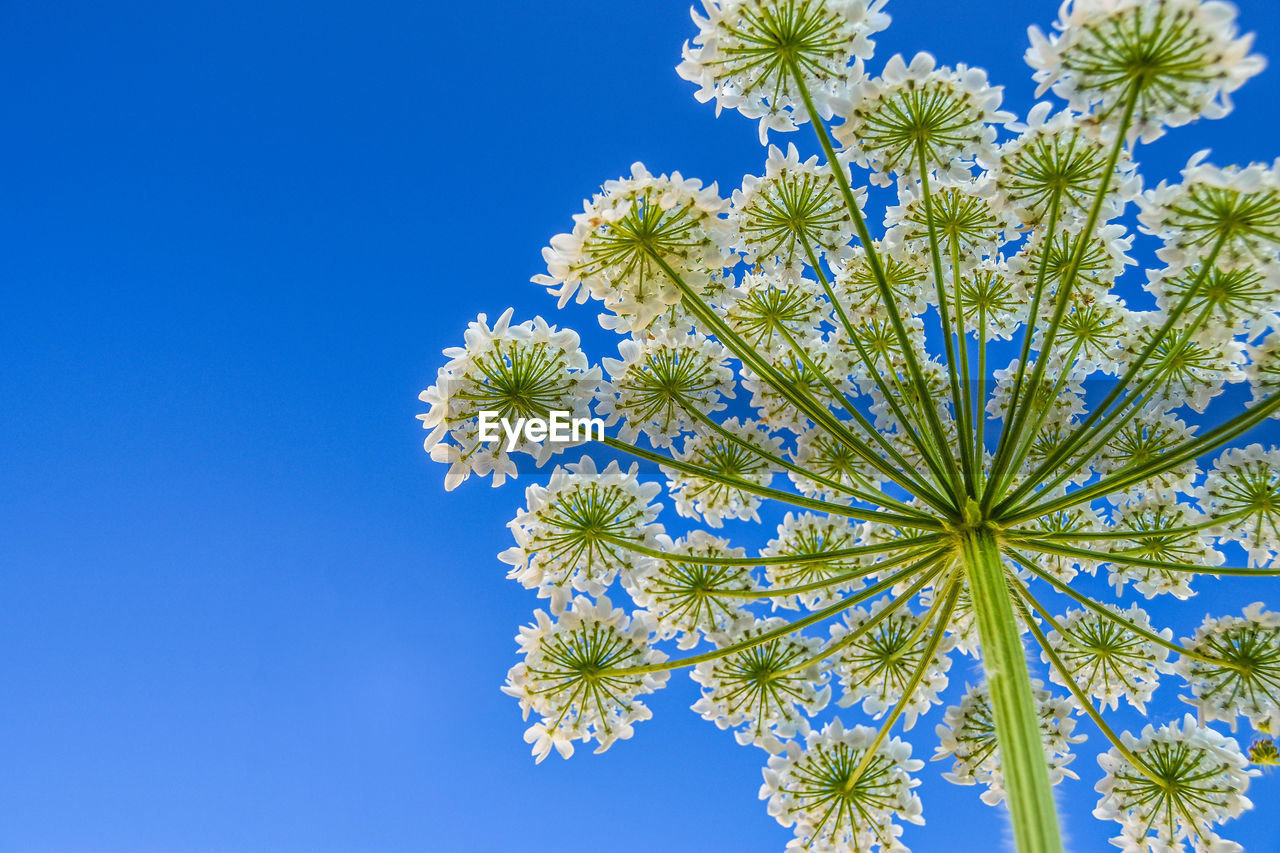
(959,418)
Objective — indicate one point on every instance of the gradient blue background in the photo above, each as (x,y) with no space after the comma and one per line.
(240,612)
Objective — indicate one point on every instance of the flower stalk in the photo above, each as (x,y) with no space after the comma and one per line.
(1031,807)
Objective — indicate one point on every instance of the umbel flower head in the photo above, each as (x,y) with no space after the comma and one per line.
(1173,785)
(792,211)
(918,117)
(570,675)
(846,790)
(1166,63)
(967,735)
(764,58)
(975,431)
(527,370)
(1236,670)
(579,531)
(634,240)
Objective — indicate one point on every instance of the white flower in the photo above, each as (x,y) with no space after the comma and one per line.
(1241,300)
(1179,58)
(1246,678)
(857,286)
(962,629)
(1195,779)
(573,676)
(1059,405)
(1082,519)
(661,380)
(1236,211)
(963,220)
(1263,371)
(577,530)
(1152,517)
(764,306)
(1186,368)
(692,596)
(1058,157)
(877,667)
(1106,659)
(792,215)
(815,789)
(808,535)
(943,116)
(733,460)
(1145,439)
(935,391)
(968,737)
(1092,332)
(1245,483)
(766,689)
(747,53)
(631,237)
(990,300)
(1045,444)
(876,338)
(820,453)
(522,371)
(809,364)
(1097,268)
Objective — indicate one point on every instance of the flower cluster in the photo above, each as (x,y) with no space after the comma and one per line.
(967,735)
(572,677)
(846,790)
(1173,785)
(1166,63)
(765,58)
(968,421)
(526,370)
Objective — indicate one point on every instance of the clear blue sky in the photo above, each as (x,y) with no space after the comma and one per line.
(240,612)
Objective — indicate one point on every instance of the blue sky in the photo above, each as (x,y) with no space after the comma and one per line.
(241,614)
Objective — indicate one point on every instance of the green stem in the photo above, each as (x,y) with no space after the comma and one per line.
(980,413)
(1117,419)
(1006,424)
(791,627)
(771,493)
(1142,562)
(931,572)
(781,559)
(948,329)
(749,357)
(907,428)
(1170,459)
(882,282)
(826,584)
(1026,774)
(939,615)
(1106,613)
(1085,702)
(1028,437)
(1019,533)
(962,336)
(1097,420)
(1018,409)
(878,498)
(921,489)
